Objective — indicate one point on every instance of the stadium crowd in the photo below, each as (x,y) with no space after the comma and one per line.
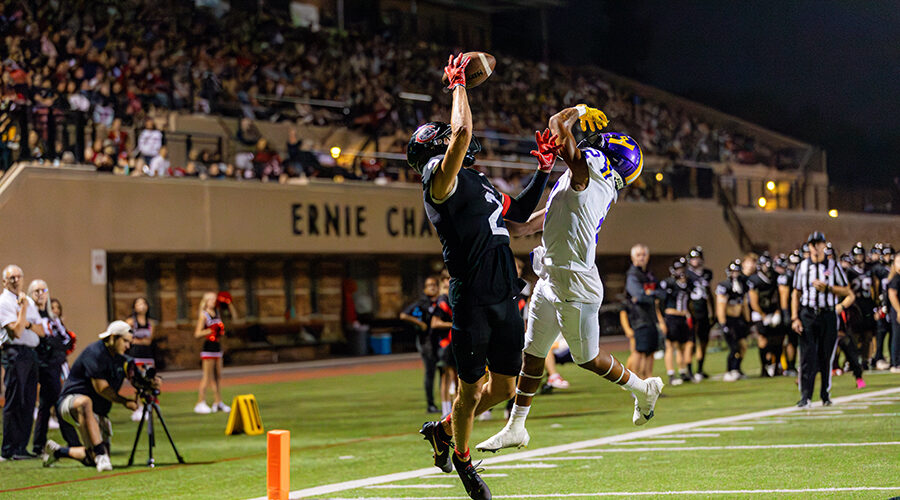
(118,66)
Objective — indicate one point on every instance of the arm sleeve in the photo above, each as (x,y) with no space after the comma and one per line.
(7,313)
(840,279)
(519,209)
(634,288)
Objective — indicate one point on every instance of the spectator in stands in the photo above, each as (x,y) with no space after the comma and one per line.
(159,165)
(267,164)
(118,137)
(20,318)
(150,141)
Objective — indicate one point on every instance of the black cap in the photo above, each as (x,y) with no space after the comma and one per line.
(816,237)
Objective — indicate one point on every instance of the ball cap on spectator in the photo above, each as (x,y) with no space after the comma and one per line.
(116,328)
(816,237)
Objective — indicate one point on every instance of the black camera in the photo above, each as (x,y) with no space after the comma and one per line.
(143,380)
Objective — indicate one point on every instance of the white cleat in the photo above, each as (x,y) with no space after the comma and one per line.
(508,437)
(644,404)
(103,463)
(48,457)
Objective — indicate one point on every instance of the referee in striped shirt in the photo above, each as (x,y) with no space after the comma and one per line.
(818,284)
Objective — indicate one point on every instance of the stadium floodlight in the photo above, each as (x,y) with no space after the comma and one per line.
(833,213)
(770,185)
(762,201)
(335,152)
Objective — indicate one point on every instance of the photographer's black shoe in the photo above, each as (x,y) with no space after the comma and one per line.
(434,434)
(473,483)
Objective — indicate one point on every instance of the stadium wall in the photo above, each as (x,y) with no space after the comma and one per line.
(52,219)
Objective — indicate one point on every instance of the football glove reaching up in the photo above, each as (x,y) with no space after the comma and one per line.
(456,70)
(591,117)
(547,150)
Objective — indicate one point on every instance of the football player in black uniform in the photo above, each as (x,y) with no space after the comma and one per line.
(700,279)
(861,316)
(765,308)
(679,338)
(418,316)
(733,314)
(468,213)
(879,274)
(785,282)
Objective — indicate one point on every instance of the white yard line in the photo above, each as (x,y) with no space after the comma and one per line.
(455,477)
(563,459)
(563,448)
(652,493)
(695,435)
(407,486)
(537,465)
(741,447)
(713,429)
(656,441)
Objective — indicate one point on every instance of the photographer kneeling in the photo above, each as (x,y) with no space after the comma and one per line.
(87,396)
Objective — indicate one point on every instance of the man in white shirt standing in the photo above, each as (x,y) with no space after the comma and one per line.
(20,320)
(568,294)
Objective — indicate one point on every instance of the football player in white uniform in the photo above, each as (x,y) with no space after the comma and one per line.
(568,294)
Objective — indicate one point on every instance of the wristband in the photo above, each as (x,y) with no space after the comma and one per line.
(582,110)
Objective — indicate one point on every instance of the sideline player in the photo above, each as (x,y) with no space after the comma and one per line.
(568,294)
(733,314)
(765,312)
(679,337)
(701,295)
(468,213)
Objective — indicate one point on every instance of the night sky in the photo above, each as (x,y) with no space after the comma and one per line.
(824,72)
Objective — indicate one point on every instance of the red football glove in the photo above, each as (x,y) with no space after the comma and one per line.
(456,70)
(546,150)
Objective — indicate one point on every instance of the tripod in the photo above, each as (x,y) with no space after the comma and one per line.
(150,406)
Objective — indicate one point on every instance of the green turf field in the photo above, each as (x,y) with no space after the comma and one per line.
(358,427)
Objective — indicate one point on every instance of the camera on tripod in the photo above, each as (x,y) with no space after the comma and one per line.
(146,384)
(144,381)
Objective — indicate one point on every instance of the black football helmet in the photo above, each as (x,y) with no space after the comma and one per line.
(696,252)
(734,266)
(427,142)
(677,267)
(858,249)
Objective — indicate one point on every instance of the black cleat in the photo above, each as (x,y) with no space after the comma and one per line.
(433,409)
(442,451)
(804,403)
(827,402)
(473,483)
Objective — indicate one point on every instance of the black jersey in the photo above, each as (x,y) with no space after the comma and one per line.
(861,283)
(676,293)
(475,240)
(700,280)
(766,287)
(734,290)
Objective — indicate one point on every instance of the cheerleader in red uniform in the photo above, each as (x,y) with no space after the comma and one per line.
(211,329)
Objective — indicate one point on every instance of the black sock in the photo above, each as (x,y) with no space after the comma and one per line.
(99,449)
(700,365)
(63,452)
(762,357)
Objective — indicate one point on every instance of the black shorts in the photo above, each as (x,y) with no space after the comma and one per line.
(701,328)
(678,330)
(646,340)
(487,336)
(769,332)
(737,327)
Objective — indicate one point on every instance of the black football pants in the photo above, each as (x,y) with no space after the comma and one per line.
(21,393)
(818,343)
(51,386)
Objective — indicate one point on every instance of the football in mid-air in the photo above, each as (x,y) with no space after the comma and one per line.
(481,66)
